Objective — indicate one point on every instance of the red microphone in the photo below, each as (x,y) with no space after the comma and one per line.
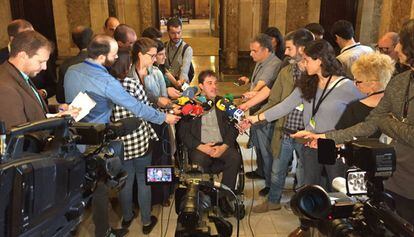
(187,109)
(197,110)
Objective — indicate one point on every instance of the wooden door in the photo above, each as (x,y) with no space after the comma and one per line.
(333,10)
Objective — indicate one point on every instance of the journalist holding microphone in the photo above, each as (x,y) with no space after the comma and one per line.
(324,93)
(393,116)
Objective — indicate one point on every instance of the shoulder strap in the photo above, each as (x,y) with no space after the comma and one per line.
(184,48)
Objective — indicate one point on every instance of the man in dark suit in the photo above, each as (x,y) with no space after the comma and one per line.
(211,139)
(20,102)
(44,81)
(81,36)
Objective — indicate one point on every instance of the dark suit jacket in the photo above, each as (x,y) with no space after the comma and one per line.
(45,79)
(189,130)
(4,54)
(60,91)
(18,103)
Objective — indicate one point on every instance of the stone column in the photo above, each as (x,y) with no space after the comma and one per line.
(98,13)
(5,18)
(232,34)
(145,8)
(393,14)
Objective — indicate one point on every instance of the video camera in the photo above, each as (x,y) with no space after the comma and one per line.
(336,214)
(195,200)
(46,182)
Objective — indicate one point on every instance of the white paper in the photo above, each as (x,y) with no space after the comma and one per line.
(83,102)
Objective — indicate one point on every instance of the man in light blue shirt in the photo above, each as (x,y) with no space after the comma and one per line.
(93,78)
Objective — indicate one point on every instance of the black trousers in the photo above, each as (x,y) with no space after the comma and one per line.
(229,163)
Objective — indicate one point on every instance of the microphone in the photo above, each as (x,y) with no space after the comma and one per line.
(182,100)
(339,184)
(197,110)
(123,127)
(187,109)
(232,97)
(222,104)
(234,113)
(201,98)
(190,92)
(207,105)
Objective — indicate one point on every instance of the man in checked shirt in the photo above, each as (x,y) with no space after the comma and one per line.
(282,145)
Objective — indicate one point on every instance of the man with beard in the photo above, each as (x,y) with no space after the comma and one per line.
(20,102)
(179,53)
(282,145)
(92,77)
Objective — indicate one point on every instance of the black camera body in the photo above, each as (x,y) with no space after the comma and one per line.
(46,182)
(369,216)
(195,200)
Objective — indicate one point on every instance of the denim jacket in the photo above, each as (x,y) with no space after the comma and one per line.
(105,90)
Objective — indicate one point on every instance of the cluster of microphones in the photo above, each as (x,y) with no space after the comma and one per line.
(194,104)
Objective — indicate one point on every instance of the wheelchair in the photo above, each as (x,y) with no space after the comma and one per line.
(182,160)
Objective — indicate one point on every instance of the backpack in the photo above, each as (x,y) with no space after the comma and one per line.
(191,70)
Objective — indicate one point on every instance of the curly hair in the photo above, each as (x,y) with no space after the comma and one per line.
(330,66)
(378,65)
(407,41)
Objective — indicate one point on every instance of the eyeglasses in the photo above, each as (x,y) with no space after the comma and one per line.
(384,50)
(152,55)
(359,82)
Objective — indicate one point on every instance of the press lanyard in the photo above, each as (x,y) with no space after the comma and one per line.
(175,54)
(96,66)
(407,99)
(353,46)
(323,96)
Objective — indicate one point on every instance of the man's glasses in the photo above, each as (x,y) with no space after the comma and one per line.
(384,50)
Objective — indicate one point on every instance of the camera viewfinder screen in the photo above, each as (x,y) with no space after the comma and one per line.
(159,175)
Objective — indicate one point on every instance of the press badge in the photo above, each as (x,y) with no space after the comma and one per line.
(300,107)
(312,123)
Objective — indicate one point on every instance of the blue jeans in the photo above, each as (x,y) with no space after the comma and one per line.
(280,168)
(261,139)
(136,168)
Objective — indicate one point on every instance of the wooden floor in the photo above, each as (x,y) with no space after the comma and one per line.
(274,223)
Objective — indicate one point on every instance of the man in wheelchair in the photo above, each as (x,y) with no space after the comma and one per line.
(211,139)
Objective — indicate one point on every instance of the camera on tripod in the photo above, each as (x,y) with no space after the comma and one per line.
(195,200)
(46,182)
(337,214)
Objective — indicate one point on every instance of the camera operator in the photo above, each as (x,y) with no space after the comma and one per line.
(92,77)
(20,102)
(393,116)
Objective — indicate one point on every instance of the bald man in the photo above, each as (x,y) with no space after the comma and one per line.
(14,27)
(110,25)
(386,45)
(125,36)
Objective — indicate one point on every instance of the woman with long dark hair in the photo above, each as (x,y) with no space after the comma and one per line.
(393,116)
(323,94)
(137,149)
(278,42)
